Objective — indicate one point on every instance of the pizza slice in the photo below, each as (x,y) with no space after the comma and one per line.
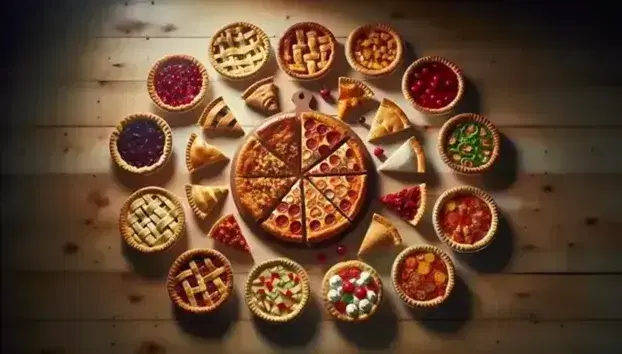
(203,199)
(380,234)
(408,158)
(260,195)
(389,119)
(254,160)
(322,219)
(282,137)
(409,203)
(285,221)
(346,192)
(348,159)
(321,136)
(227,231)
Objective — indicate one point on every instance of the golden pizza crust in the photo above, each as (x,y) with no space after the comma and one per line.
(389,119)
(254,160)
(261,194)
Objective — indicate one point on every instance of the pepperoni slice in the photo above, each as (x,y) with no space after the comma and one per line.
(352,193)
(295,227)
(312,144)
(294,210)
(323,150)
(309,124)
(281,221)
(345,205)
(282,207)
(334,160)
(322,129)
(350,153)
(329,219)
(333,138)
(314,225)
(308,134)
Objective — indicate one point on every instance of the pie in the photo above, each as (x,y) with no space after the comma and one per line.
(408,158)
(352,93)
(466,218)
(263,96)
(321,136)
(282,137)
(227,231)
(469,143)
(177,83)
(204,199)
(152,219)
(433,85)
(389,120)
(260,195)
(141,143)
(423,276)
(347,193)
(409,203)
(277,290)
(200,154)
(200,280)
(306,51)
(285,221)
(374,50)
(322,219)
(380,234)
(254,160)
(348,159)
(239,50)
(217,117)
(352,291)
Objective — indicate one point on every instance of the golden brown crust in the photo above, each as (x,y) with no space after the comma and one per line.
(185,107)
(193,203)
(418,149)
(255,85)
(395,234)
(181,261)
(206,119)
(259,102)
(348,99)
(468,117)
(389,119)
(371,72)
(306,25)
(260,195)
(166,153)
(466,190)
(254,160)
(216,155)
(423,192)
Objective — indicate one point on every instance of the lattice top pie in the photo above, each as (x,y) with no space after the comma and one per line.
(152,219)
(239,50)
(306,51)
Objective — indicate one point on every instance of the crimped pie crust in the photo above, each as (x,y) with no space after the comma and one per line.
(325,287)
(395,270)
(466,190)
(423,192)
(370,72)
(195,208)
(166,153)
(433,59)
(254,273)
(183,260)
(185,107)
(348,80)
(321,73)
(255,85)
(463,118)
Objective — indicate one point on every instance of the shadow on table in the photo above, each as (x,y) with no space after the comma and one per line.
(376,333)
(471,101)
(210,325)
(154,265)
(133,181)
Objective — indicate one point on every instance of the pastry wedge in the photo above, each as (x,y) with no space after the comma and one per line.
(217,117)
(203,199)
(380,234)
(200,154)
(389,119)
(352,93)
(263,96)
(408,158)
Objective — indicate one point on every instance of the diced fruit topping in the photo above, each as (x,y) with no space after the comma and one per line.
(278,291)
(406,203)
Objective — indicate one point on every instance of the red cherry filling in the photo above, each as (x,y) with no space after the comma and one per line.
(178,81)
(405,203)
(141,143)
(192,281)
(229,233)
(433,85)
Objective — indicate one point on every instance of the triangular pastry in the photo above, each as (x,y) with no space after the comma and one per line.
(389,120)
(352,93)
(408,158)
(203,199)
(381,233)
(409,203)
(200,154)
(218,117)
(227,231)
(263,95)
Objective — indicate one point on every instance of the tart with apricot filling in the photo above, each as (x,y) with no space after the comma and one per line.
(374,50)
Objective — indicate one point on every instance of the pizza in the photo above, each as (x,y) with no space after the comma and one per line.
(255,160)
(347,159)
(285,221)
(260,195)
(322,219)
(345,192)
(227,231)
(282,137)
(321,135)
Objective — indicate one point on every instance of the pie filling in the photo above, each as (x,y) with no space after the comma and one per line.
(228,232)
(433,85)
(277,290)
(141,143)
(465,219)
(405,203)
(423,276)
(470,144)
(353,291)
(375,49)
(202,282)
(178,81)
(306,50)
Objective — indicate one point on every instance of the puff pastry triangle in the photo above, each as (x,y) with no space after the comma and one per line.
(408,158)
(352,93)
(200,154)
(203,199)
(381,233)
(263,96)
(389,120)
(218,117)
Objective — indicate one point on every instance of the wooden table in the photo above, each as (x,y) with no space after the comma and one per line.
(552,281)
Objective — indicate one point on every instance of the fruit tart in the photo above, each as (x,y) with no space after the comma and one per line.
(306,51)
(423,276)
(277,290)
(141,143)
(151,219)
(177,83)
(409,203)
(374,50)
(200,280)
(352,291)
(469,143)
(465,218)
(433,85)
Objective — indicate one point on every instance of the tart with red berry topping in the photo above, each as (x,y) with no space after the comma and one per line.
(409,203)
(352,291)
(277,290)
(177,83)
(227,231)
(433,85)
(465,218)
(423,276)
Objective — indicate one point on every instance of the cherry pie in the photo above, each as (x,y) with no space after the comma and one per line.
(177,83)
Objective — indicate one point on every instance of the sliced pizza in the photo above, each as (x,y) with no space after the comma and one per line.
(282,137)
(408,158)
(321,136)
(389,120)
(322,219)
(409,203)
(380,234)
(346,192)
(260,195)
(254,160)
(228,231)
(285,222)
(348,159)
(203,199)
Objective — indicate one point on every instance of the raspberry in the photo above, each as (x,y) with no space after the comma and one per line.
(378,152)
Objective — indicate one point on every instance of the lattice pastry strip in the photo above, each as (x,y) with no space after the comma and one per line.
(154,219)
(238,50)
(201,288)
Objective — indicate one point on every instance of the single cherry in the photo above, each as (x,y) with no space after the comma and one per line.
(378,152)
(325,93)
(341,250)
(360,293)
(362,120)
(348,287)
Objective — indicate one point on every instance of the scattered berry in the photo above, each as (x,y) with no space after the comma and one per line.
(325,93)
(378,152)
(341,250)
(362,120)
